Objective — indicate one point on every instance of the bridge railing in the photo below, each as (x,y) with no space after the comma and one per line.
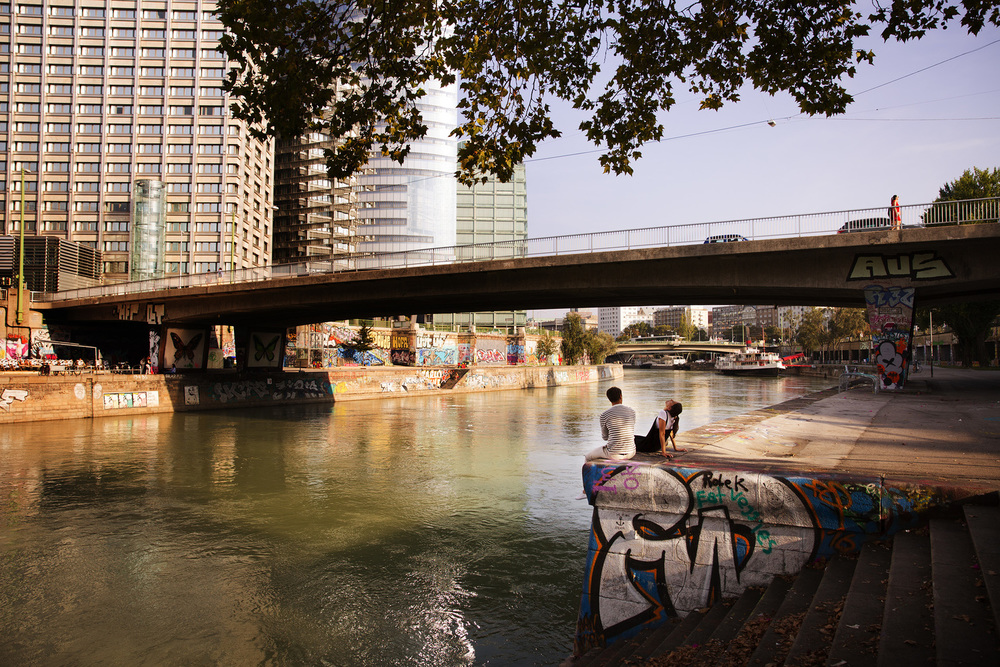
(810,224)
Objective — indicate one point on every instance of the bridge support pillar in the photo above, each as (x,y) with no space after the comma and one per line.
(259,348)
(890,316)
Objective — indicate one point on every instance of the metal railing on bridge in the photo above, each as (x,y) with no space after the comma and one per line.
(811,224)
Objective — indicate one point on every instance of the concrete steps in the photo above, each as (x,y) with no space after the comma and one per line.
(926,597)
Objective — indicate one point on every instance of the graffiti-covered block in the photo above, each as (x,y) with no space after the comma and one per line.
(666,540)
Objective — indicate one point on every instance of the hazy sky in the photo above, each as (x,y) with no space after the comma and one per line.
(923,113)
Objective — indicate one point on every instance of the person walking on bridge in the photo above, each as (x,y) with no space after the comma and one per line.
(895,215)
(617,428)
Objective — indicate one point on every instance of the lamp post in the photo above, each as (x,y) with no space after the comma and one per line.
(20,259)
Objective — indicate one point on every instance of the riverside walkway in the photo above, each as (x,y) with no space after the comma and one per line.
(927,592)
(943,430)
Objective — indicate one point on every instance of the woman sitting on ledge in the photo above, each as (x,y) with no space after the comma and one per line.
(664,428)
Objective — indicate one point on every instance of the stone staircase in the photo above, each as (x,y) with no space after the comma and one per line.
(927,597)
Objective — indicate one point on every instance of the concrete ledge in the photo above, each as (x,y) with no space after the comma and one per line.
(28,397)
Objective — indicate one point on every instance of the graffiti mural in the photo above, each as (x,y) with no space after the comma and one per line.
(464,353)
(185,348)
(269,390)
(491,351)
(515,354)
(265,350)
(8,397)
(402,357)
(154,351)
(890,315)
(429,356)
(916,266)
(16,348)
(665,541)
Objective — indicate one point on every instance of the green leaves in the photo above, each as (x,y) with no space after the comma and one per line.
(356,70)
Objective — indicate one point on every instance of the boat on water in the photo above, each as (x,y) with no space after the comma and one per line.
(750,361)
(674,362)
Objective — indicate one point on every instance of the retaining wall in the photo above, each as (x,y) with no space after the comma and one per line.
(665,541)
(28,397)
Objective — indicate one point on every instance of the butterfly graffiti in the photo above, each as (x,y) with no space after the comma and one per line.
(262,350)
(184,350)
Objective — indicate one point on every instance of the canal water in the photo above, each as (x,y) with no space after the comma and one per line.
(441,530)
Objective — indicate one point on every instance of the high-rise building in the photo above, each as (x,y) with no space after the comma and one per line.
(697,316)
(315,217)
(614,320)
(488,213)
(99,95)
(412,205)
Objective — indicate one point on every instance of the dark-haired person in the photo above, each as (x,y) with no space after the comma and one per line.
(665,427)
(617,427)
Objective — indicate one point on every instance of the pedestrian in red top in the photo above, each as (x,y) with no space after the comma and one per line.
(895,217)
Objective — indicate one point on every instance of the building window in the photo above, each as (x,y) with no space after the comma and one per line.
(150,110)
(121,90)
(179,149)
(120,148)
(55,166)
(150,33)
(88,187)
(150,129)
(123,33)
(61,70)
(178,187)
(151,71)
(117,207)
(149,167)
(57,147)
(119,129)
(117,187)
(180,110)
(118,168)
(206,267)
(207,207)
(182,53)
(184,168)
(150,148)
(116,246)
(91,90)
(212,72)
(182,34)
(85,206)
(84,167)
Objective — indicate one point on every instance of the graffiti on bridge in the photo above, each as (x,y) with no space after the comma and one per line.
(264,390)
(890,316)
(665,541)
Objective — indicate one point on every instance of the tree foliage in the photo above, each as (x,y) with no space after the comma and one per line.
(574,336)
(847,323)
(357,69)
(812,333)
(971,322)
(599,344)
(546,345)
(973,184)
(361,343)
(635,330)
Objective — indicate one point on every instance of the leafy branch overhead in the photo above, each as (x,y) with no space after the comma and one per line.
(356,69)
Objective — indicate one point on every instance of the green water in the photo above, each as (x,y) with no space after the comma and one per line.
(438,530)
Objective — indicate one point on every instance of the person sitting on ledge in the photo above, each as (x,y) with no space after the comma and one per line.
(665,427)
(617,426)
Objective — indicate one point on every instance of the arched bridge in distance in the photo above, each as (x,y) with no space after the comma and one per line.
(792,260)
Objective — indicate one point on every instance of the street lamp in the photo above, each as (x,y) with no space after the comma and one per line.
(20,259)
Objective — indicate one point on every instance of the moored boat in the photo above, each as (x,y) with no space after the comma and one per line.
(750,361)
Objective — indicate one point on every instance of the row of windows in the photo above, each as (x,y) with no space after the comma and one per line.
(65,146)
(116,51)
(124,91)
(117,70)
(101,12)
(124,109)
(95,128)
(116,33)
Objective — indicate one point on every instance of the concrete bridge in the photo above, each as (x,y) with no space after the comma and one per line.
(943,264)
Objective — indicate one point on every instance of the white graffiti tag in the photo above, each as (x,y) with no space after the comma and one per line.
(10,395)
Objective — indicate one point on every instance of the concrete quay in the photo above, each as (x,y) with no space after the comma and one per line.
(940,430)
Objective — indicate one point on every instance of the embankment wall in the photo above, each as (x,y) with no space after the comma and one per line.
(29,397)
(665,540)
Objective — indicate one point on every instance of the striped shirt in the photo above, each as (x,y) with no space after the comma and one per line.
(618,427)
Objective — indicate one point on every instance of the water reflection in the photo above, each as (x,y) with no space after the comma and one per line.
(438,530)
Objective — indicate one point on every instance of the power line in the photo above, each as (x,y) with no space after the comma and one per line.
(924,69)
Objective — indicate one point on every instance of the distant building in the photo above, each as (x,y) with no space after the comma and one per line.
(588,319)
(699,316)
(614,320)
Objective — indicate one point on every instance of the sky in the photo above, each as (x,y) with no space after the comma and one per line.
(923,113)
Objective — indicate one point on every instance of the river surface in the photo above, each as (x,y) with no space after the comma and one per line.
(439,530)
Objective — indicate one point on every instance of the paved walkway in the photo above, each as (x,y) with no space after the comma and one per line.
(943,429)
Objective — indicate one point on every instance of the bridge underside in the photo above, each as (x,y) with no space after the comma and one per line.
(944,264)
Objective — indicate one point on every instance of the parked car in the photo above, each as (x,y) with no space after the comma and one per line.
(725,238)
(865,225)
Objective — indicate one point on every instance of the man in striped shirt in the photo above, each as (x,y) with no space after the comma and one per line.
(618,428)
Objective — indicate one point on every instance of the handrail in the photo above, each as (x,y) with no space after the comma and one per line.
(801,225)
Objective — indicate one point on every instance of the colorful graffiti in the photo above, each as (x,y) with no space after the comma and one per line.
(890,315)
(131,399)
(665,541)
(402,357)
(515,354)
(431,356)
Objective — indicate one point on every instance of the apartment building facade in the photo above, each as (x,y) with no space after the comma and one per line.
(95,96)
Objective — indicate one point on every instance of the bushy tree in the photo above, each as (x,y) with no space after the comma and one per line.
(812,333)
(971,321)
(361,343)
(574,335)
(357,69)
(635,330)
(974,183)
(546,346)
(599,344)
(847,323)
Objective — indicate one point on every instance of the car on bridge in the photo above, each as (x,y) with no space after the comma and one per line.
(725,238)
(865,225)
